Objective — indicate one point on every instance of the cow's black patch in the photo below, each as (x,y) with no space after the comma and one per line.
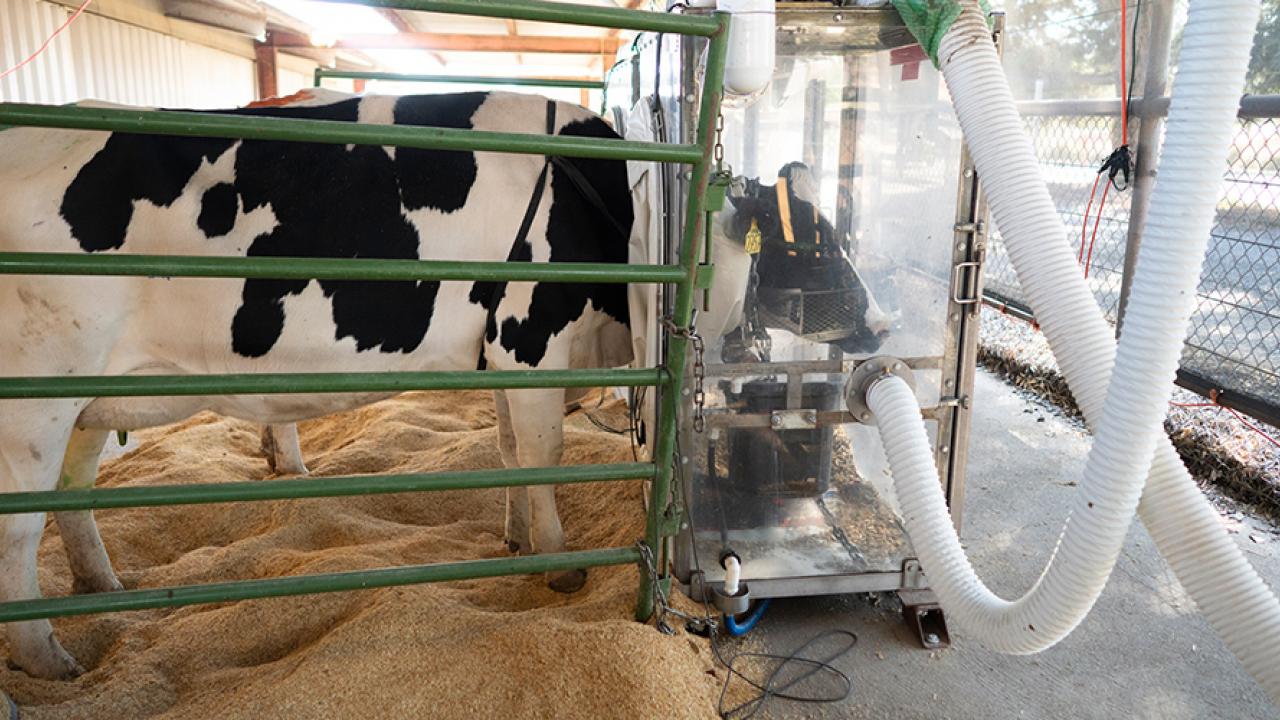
(218,207)
(436,179)
(353,210)
(98,204)
(334,202)
(578,231)
(328,202)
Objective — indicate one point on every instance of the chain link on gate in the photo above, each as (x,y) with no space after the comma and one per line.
(718,151)
(661,605)
(699,368)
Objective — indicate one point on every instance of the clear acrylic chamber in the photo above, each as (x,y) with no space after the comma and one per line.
(851,197)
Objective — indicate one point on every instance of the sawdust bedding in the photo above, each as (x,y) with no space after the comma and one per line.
(479,648)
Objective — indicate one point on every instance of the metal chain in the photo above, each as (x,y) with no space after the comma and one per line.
(661,606)
(718,152)
(699,371)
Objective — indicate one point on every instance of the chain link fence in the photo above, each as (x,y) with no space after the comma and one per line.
(1234,342)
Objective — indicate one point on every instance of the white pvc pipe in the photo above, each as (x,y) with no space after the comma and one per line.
(732,574)
(1126,419)
(748,65)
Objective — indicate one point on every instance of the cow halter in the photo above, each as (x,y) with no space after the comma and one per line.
(781,190)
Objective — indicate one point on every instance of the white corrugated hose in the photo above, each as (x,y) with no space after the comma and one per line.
(1125,414)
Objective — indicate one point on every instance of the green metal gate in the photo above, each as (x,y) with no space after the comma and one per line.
(663,513)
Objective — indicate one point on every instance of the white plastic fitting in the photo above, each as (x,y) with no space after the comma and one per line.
(732,575)
(1123,394)
(752,38)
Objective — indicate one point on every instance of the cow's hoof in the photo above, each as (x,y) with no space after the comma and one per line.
(52,664)
(569,581)
(89,586)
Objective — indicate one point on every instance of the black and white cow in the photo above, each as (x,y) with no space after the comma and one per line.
(96,192)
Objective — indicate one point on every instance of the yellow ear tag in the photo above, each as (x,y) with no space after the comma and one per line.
(753,238)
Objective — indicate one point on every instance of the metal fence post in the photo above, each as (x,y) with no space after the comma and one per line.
(1150,121)
(664,456)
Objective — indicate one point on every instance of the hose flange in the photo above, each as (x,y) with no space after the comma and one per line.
(864,376)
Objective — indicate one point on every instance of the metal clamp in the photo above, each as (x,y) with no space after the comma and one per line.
(864,375)
(793,419)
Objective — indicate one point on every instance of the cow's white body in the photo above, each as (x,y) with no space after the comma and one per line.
(56,326)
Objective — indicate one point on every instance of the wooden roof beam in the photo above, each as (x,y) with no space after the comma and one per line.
(402,24)
(513,31)
(458,43)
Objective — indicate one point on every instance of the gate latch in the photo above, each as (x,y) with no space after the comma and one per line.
(716,190)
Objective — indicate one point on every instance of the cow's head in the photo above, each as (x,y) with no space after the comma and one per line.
(806,279)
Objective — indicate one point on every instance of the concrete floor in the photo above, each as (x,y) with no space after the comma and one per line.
(1143,652)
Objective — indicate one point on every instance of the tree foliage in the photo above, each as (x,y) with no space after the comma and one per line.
(1264,64)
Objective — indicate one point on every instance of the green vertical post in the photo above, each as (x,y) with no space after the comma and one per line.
(677,346)
(318,77)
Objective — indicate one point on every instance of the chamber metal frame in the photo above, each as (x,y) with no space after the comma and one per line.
(812,26)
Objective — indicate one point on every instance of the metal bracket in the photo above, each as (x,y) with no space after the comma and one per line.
(671,519)
(703,276)
(793,419)
(731,604)
(716,191)
(913,575)
(861,379)
(923,614)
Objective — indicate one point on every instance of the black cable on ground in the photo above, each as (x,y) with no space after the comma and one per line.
(769,688)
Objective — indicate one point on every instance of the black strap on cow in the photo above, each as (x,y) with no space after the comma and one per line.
(576,177)
(522,235)
(589,193)
(521,249)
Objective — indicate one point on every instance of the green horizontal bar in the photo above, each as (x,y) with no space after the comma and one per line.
(319,487)
(336,132)
(281,383)
(460,79)
(12,263)
(555,12)
(308,584)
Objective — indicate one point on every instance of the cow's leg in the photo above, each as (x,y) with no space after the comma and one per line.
(90,566)
(33,437)
(537,420)
(517,525)
(282,449)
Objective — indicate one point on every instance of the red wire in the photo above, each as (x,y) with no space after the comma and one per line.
(1236,415)
(47,40)
(1253,427)
(1088,260)
(1124,103)
(1084,229)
